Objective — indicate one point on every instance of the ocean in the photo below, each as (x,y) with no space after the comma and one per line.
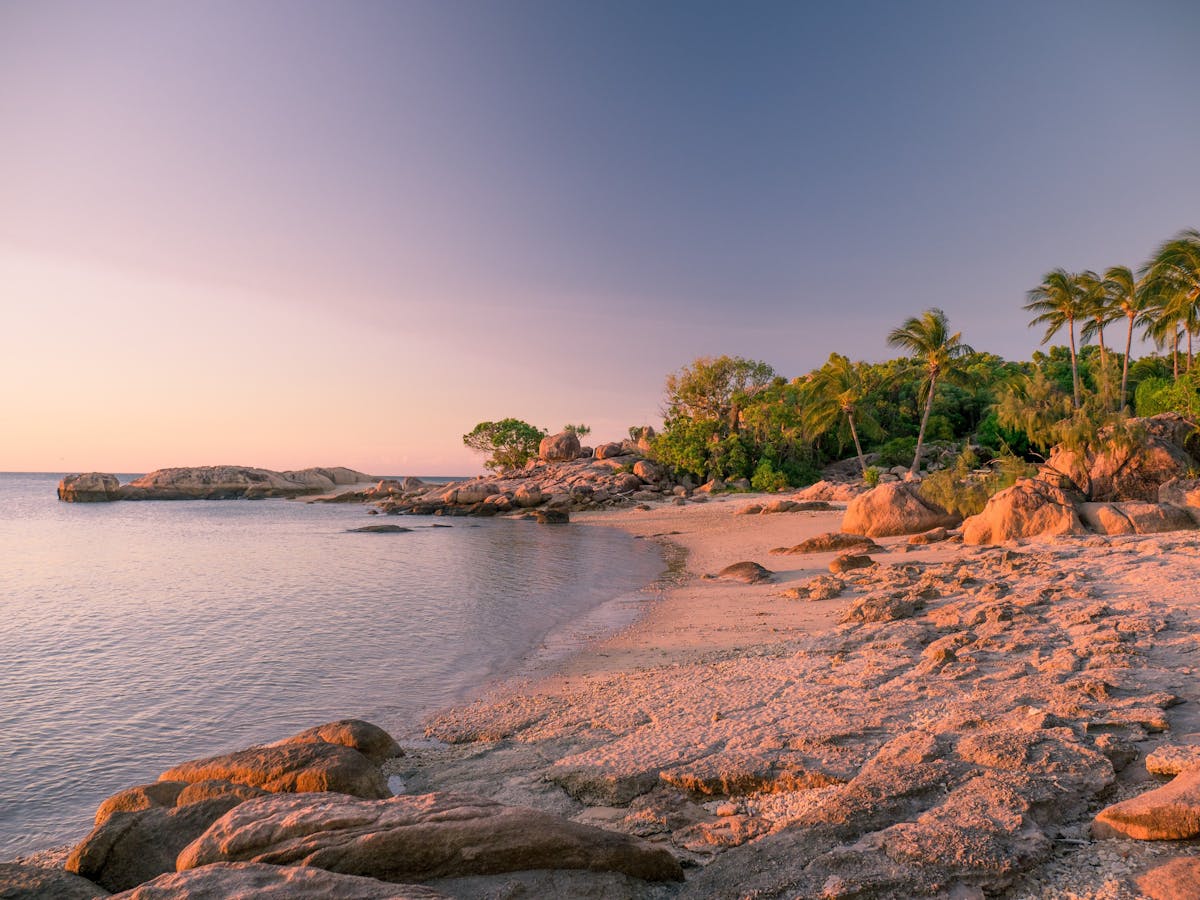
(135,635)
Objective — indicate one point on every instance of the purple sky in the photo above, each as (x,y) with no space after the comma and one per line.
(290,233)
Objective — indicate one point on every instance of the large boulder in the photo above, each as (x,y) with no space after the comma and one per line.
(528,496)
(222,881)
(1030,508)
(214,483)
(892,509)
(417,838)
(1175,880)
(1182,492)
(1132,463)
(609,450)
(1135,517)
(648,471)
(831,492)
(90,487)
(470,492)
(286,768)
(25,882)
(561,447)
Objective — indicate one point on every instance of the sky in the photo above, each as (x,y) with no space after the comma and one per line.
(287,233)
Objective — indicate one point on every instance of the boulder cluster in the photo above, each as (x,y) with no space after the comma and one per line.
(1140,479)
(312,817)
(565,477)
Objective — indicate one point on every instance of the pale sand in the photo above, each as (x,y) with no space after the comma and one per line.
(698,616)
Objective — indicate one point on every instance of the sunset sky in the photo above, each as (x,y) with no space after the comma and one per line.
(292,233)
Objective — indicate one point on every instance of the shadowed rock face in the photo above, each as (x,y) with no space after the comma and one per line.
(416,838)
(222,881)
(21,882)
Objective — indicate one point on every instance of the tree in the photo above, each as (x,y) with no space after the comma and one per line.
(1058,301)
(1127,296)
(715,389)
(579,430)
(835,391)
(928,340)
(1174,276)
(510,442)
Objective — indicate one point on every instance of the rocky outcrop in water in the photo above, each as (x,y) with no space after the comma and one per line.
(207,483)
(28,882)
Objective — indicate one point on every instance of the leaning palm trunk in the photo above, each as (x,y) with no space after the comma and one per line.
(1125,366)
(862,460)
(916,463)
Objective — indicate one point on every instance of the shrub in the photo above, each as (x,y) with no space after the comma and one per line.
(962,490)
(898,452)
(765,478)
(871,476)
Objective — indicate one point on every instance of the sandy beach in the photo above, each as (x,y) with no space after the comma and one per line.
(952,721)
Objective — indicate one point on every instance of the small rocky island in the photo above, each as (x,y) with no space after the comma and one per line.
(207,483)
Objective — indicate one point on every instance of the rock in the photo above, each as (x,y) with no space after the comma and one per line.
(370,740)
(378,529)
(234,482)
(648,471)
(585,452)
(1168,813)
(244,881)
(311,766)
(933,536)
(609,450)
(642,438)
(551,516)
(847,562)
(90,487)
(822,587)
(1030,508)
(314,479)
(832,542)
(643,496)
(715,485)
(883,607)
(745,572)
(1124,469)
(1172,759)
(740,484)
(750,509)
(831,492)
(144,796)
(129,848)
(1176,880)
(527,496)
(417,838)
(1135,517)
(626,482)
(23,882)
(471,492)
(1182,492)
(892,509)
(561,447)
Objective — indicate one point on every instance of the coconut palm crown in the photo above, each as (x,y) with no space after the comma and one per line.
(1059,301)
(1127,296)
(833,394)
(927,338)
(1173,277)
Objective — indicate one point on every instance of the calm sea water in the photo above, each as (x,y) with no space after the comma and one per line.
(137,635)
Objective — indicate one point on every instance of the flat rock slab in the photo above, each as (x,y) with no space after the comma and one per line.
(250,881)
(379,529)
(416,838)
(1176,880)
(1172,759)
(1168,813)
(290,767)
(22,882)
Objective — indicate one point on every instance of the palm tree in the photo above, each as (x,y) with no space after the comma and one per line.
(1174,275)
(1099,312)
(1058,301)
(1127,296)
(929,341)
(833,391)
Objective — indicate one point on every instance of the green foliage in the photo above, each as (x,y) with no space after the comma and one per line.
(579,430)
(765,477)
(994,436)
(963,489)
(1156,396)
(510,443)
(897,452)
(715,388)
(871,476)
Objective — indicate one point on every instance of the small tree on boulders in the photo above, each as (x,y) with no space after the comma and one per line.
(510,443)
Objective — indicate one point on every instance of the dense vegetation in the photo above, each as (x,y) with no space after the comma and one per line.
(730,418)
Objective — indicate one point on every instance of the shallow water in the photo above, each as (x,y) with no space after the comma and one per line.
(137,635)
